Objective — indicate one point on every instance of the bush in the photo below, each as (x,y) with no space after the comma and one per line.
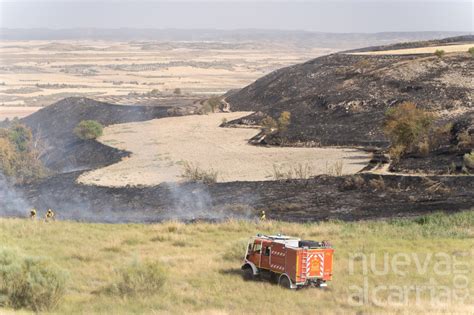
(469,160)
(406,125)
(377,184)
(465,140)
(21,137)
(424,147)
(8,157)
(193,173)
(214,103)
(29,282)
(177,91)
(270,125)
(139,279)
(471,51)
(441,136)
(19,160)
(353,182)
(284,121)
(88,130)
(439,53)
(396,152)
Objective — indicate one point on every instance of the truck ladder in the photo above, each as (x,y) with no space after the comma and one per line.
(304,265)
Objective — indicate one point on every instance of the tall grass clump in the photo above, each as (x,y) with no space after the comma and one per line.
(236,250)
(30,282)
(194,173)
(138,279)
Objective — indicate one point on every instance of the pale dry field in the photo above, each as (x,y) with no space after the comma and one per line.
(420,50)
(39,73)
(16,111)
(160,147)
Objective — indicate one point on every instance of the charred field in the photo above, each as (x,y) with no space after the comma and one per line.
(334,100)
(363,196)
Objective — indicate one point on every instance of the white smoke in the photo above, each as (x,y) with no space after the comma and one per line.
(194,202)
(12,203)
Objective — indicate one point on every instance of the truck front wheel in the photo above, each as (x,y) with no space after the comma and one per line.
(248,274)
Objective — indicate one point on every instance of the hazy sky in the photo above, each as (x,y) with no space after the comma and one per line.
(312,15)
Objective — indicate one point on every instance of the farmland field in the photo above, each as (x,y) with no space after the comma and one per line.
(39,73)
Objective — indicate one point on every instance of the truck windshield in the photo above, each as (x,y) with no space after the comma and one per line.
(257,247)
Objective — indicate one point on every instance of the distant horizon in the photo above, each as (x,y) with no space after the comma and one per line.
(324,16)
(227,30)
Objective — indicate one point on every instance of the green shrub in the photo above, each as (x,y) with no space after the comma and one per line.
(270,125)
(471,51)
(19,159)
(439,53)
(30,282)
(8,157)
(88,130)
(139,279)
(21,137)
(407,125)
(177,91)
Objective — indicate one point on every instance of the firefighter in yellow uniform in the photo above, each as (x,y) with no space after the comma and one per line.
(263,216)
(49,215)
(33,213)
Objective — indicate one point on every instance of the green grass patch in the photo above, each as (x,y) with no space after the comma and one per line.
(195,268)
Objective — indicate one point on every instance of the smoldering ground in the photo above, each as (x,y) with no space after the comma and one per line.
(173,201)
(12,202)
(319,198)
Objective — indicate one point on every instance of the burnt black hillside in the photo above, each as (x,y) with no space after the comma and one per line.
(62,150)
(341,98)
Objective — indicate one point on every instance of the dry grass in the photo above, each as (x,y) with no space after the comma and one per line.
(334,169)
(203,275)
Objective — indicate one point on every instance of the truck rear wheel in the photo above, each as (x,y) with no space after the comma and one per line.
(285,282)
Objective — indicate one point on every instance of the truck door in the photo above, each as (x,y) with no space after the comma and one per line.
(266,253)
(254,254)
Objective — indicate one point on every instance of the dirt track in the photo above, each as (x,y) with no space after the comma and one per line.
(160,147)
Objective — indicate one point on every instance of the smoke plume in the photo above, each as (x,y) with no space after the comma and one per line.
(12,203)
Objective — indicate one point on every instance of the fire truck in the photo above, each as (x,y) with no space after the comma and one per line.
(289,261)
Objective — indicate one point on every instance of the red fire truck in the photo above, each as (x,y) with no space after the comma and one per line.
(289,261)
